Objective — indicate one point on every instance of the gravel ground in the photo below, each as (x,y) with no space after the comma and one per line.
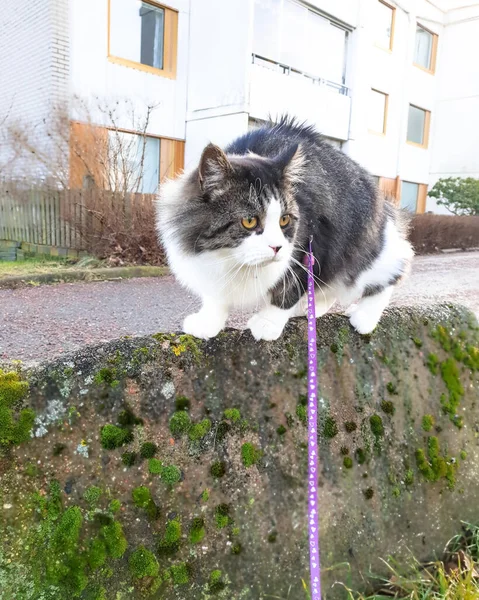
(40,323)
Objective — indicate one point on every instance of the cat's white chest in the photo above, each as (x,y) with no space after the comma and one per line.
(218,277)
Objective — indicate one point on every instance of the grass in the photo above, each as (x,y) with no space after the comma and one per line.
(39,265)
(455,577)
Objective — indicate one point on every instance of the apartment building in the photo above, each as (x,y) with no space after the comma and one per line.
(392,83)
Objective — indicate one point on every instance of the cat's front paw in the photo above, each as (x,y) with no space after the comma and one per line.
(263,328)
(363,322)
(202,326)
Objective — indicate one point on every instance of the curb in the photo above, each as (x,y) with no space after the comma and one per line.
(84,275)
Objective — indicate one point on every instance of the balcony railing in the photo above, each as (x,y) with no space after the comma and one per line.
(287,70)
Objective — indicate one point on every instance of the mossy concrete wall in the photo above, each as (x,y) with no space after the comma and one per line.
(225,515)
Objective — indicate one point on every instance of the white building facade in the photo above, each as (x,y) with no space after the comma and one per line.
(393,83)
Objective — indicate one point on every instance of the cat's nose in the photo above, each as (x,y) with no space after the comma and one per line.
(276,249)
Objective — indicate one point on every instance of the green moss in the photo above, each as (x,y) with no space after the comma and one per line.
(107,376)
(281,430)
(435,465)
(232,414)
(170,475)
(471,359)
(143,563)
(463,455)
(218,469)
(330,428)
(236,548)
(388,407)
(348,462)
(112,437)
(155,466)
(199,430)
(409,477)
(222,516)
(180,423)
(450,403)
(368,493)
(180,574)
(170,542)
(141,496)
(115,506)
(417,342)
(115,539)
(396,492)
(433,363)
(215,584)
(377,426)
(427,422)
(392,388)
(197,530)
(92,495)
(31,470)
(182,403)
(148,450)
(205,495)
(15,425)
(222,430)
(302,413)
(350,426)
(272,537)
(97,553)
(250,455)
(128,458)
(360,456)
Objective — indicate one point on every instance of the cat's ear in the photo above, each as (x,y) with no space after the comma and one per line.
(291,162)
(214,167)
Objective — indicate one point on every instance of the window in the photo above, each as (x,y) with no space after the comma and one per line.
(425,49)
(378,112)
(290,33)
(409,195)
(143,35)
(133,162)
(418,126)
(384,16)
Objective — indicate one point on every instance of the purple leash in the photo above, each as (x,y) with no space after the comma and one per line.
(314,559)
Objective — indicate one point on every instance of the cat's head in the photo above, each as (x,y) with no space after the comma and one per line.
(241,206)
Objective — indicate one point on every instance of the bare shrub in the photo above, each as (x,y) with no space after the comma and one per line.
(116,226)
(430,233)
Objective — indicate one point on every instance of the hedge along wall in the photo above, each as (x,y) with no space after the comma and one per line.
(166,468)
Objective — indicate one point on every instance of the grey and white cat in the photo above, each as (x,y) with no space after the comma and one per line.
(236,231)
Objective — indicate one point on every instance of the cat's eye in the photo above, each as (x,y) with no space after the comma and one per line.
(249,223)
(285,221)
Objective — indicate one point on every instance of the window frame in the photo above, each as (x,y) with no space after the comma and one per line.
(421,197)
(393,28)
(426,130)
(170,44)
(435,40)
(385,120)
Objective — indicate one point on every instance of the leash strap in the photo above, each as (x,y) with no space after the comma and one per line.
(314,559)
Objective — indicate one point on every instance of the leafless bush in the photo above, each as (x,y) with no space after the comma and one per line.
(430,233)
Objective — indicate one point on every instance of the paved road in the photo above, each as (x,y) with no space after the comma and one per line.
(47,321)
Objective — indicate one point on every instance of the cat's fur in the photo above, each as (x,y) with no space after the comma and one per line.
(359,239)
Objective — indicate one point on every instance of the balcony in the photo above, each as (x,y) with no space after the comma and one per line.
(275,89)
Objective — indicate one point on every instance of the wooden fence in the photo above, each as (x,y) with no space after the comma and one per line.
(97,221)
(41,217)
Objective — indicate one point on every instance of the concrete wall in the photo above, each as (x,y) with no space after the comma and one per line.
(99,81)
(34,67)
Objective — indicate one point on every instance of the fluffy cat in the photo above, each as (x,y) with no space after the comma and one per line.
(236,230)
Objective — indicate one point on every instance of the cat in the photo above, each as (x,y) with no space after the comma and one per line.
(236,232)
